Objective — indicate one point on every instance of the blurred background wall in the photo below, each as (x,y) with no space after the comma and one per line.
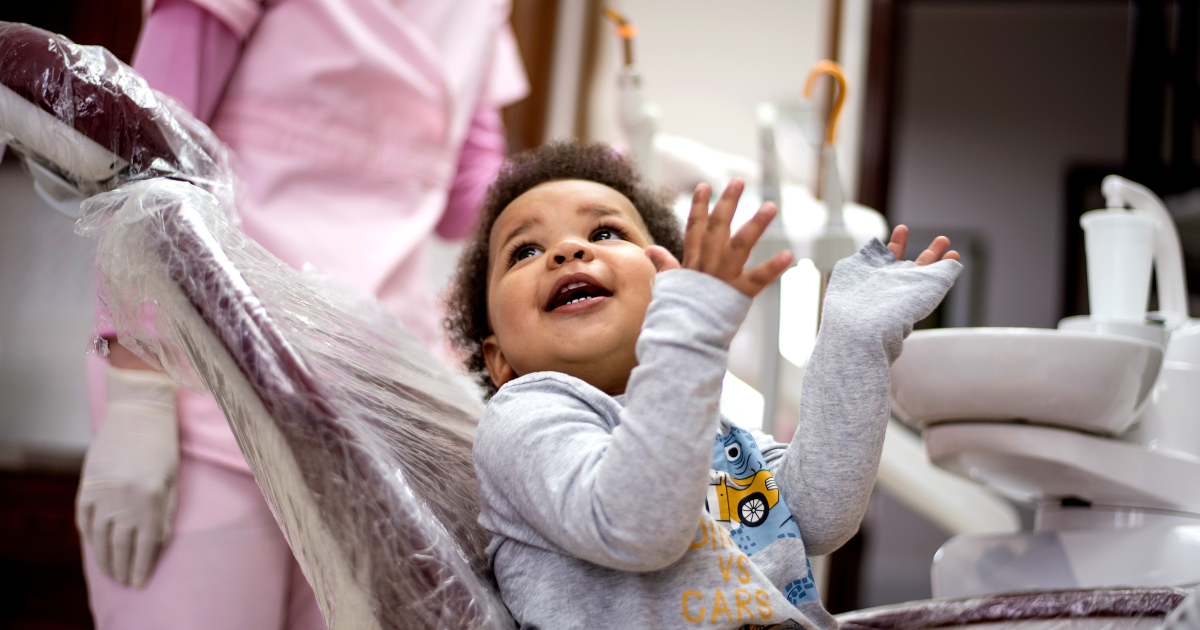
(996,101)
(46,306)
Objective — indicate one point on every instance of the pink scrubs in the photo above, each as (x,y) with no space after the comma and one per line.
(361,127)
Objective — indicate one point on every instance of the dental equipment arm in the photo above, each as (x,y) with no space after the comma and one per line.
(957,506)
(1168,254)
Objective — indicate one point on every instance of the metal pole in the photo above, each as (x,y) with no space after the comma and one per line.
(773,241)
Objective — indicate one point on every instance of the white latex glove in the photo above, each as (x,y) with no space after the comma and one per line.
(127,494)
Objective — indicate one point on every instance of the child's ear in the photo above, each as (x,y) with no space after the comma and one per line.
(498,367)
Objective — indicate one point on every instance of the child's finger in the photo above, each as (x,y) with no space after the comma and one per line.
(662,258)
(740,245)
(935,251)
(898,241)
(753,281)
(716,233)
(697,220)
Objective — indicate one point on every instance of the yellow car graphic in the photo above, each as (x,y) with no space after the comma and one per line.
(747,501)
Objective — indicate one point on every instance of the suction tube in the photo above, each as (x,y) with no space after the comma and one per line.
(625,30)
(834,242)
(637,117)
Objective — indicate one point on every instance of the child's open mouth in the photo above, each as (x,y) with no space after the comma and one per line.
(576,290)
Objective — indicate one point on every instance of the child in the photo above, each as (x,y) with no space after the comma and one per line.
(614,493)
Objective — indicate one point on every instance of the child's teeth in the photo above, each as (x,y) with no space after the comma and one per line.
(572,286)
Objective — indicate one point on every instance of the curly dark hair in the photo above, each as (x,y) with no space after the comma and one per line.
(466,303)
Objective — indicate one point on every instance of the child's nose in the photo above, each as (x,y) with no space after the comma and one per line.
(562,259)
(571,250)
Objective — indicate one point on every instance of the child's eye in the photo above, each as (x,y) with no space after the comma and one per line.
(607,234)
(522,252)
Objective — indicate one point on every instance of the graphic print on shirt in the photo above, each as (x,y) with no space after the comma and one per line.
(744,498)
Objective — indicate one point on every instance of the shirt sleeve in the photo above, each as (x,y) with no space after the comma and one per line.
(629,499)
(239,16)
(485,146)
(188,53)
(827,473)
(507,82)
(479,161)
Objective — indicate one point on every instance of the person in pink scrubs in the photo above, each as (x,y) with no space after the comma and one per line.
(361,127)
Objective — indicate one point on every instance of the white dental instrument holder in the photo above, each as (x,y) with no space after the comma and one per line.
(1117,285)
(1118,503)
(1169,421)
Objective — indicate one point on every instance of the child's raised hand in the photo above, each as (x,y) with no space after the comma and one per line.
(935,252)
(708,247)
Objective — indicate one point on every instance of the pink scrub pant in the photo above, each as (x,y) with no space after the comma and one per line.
(227,566)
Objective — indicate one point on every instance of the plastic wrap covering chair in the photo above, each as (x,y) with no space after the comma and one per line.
(1083,609)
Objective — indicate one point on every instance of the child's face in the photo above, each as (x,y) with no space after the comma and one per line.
(568,284)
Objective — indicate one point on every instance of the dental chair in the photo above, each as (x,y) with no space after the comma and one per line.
(359,438)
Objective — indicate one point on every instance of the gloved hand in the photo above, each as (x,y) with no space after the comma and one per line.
(126,497)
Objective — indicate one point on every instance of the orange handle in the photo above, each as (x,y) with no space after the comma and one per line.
(625,30)
(834,70)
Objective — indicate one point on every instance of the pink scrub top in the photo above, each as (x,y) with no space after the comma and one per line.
(353,121)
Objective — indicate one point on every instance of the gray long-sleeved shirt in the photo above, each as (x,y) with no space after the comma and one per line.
(600,509)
